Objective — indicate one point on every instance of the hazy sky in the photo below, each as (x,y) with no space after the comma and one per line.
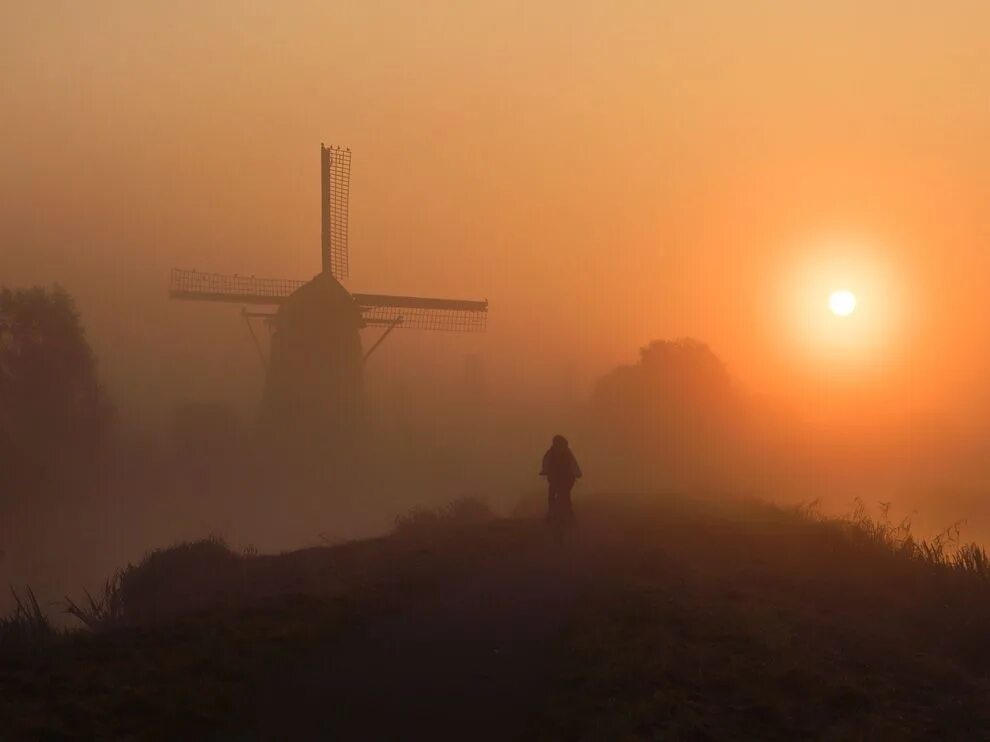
(604,173)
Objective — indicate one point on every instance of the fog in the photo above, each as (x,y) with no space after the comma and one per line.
(604,177)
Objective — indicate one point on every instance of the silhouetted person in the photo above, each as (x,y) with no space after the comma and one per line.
(561,470)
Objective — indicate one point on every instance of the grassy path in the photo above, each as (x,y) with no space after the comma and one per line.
(472,663)
(660,617)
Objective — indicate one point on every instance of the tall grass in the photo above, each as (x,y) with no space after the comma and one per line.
(943,552)
(27,624)
(103,612)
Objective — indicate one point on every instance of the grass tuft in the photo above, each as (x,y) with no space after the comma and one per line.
(27,624)
(101,613)
(460,512)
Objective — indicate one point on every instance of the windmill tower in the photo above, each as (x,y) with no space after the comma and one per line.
(313,386)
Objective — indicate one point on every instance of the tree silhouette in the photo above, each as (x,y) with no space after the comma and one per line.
(52,409)
(669,418)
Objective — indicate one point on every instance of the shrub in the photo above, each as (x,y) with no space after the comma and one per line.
(166,583)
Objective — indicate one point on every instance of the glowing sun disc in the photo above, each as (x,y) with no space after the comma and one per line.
(842,302)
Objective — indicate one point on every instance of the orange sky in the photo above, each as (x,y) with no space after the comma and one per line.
(602,175)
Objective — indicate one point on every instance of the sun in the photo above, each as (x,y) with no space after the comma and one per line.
(842,306)
(842,302)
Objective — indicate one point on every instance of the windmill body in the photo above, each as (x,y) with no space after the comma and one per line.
(313,387)
(314,383)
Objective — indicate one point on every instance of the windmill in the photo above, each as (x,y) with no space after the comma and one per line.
(314,379)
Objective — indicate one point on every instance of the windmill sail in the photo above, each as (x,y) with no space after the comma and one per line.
(198,286)
(408,312)
(335,171)
(417,313)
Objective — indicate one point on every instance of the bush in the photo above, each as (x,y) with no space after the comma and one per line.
(165,583)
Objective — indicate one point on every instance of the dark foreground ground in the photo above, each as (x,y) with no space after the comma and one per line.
(656,618)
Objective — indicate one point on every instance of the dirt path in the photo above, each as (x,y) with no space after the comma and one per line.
(471,664)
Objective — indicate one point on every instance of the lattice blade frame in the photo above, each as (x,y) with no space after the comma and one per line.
(335,172)
(415,313)
(196,286)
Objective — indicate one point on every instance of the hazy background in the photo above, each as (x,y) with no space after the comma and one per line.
(604,175)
